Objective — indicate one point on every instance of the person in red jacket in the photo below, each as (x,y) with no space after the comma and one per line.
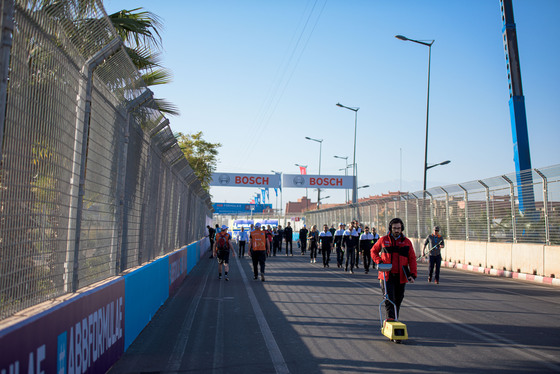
(394,248)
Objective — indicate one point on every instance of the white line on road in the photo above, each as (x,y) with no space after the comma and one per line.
(473,331)
(273,349)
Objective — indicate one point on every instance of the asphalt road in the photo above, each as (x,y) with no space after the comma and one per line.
(308,319)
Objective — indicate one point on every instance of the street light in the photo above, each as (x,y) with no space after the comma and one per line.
(441,163)
(355,110)
(345,170)
(429,45)
(364,186)
(320,141)
(306,199)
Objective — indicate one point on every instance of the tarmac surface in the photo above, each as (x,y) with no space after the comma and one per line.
(309,319)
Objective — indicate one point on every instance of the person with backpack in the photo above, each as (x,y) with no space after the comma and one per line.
(258,248)
(222,250)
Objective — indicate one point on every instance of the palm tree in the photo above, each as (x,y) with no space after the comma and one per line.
(140,32)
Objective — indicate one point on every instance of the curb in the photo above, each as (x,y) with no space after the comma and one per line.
(501,273)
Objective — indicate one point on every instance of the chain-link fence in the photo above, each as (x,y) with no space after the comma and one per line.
(92,180)
(484,210)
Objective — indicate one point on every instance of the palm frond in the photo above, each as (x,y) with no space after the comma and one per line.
(137,27)
(156,77)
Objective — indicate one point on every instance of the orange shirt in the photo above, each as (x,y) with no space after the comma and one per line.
(258,240)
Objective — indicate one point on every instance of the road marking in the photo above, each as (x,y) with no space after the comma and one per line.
(174,363)
(473,331)
(273,349)
(217,365)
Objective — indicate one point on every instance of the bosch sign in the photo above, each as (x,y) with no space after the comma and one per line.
(245,180)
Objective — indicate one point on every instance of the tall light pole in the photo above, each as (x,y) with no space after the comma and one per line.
(306,199)
(320,141)
(355,184)
(345,170)
(429,45)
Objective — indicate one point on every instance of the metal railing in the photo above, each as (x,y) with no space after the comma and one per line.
(483,210)
(92,180)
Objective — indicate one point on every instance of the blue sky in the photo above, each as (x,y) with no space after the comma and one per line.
(260,76)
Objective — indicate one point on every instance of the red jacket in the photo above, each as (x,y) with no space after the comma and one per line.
(398,252)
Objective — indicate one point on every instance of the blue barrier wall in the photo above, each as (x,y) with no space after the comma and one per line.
(146,289)
(138,294)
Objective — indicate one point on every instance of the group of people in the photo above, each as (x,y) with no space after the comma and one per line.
(259,241)
(349,241)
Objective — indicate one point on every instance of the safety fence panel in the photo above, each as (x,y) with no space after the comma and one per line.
(92,180)
(490,210)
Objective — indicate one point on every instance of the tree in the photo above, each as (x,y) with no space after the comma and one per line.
(139,31)
(201,155)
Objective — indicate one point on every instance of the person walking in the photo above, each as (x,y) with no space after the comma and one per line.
(435,240)
(242,239)
(276,240)
(367,240)
(222,250)
(313,241)
(326,240)
(288,234)
(212,237)
(338,245)
(281,234)
(258,247)
(396,249)
(303,238)
(359,231)
(349,243)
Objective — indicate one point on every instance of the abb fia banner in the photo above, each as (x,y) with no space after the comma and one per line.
(315,181)
(245,180)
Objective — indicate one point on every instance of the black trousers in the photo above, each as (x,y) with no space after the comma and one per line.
(326,253)
(259,258)
(435,260)
(350,257)
(339,255)
(303,244)
(313,250)
(367,259)
(289,244)
(395,293)
(275,246)
(241,248)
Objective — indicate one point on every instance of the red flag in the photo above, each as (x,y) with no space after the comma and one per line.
(303,170)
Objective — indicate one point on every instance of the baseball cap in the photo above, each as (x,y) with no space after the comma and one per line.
(304,225)
(436,228)
(258,224)
(224,227)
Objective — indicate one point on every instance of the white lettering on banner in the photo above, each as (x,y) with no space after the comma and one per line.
(93,336)
(245,180)
(314,181)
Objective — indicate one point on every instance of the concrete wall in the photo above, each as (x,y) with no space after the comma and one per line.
(90,330)
(525,258)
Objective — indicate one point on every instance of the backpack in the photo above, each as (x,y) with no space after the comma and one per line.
(222,241)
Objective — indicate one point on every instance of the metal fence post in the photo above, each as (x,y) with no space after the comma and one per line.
(545,206)
(7,24)
(122,211)
(87,71)
(431,211)
(512,202)
(487,209)
(466,211)
(447,233)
